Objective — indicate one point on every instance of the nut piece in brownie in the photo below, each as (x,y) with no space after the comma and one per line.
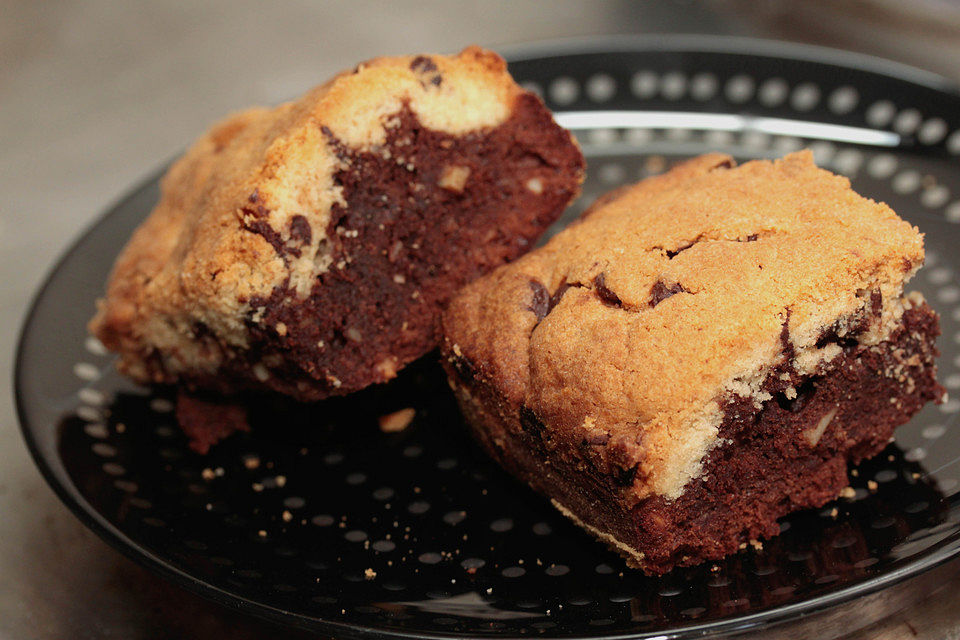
(698,355)
(309,248)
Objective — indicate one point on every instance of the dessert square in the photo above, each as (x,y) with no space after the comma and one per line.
(698,355)
(308,248)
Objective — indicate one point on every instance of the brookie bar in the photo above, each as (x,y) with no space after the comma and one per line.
(309,248)
(698,355)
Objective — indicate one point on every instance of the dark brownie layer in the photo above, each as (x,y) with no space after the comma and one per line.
(424,213)
(772,462)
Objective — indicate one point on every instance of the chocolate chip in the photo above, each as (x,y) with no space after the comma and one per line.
(727,163)
(752,237)
(672,254)
(423,64)
(530,423)
(785,343)
(254,196)
(543,303)
(253,220)
(660,291)
(558,294)
(201,330)
(876,302)
(300,230)
(540,301)
(625,477)
(465,368)
(606,295)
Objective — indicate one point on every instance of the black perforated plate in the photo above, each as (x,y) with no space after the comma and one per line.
(318,519)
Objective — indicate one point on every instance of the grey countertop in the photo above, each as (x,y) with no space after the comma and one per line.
(95,95)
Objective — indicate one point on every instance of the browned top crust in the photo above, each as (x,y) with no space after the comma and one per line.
(247,210)
(630,325)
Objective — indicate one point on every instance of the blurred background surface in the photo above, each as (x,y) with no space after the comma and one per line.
(96,95)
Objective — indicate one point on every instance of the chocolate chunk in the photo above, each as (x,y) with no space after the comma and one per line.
(673,254)
(726,163)
(423,64)
(552,301)
(625,477)
(530,423)
(606,295)
(254,221)
(831,335)
(785,342)
(876,302)
(660,291)
(540,302)
(201,330)
(465,368)
(558,294)
(752,237)
(300,230)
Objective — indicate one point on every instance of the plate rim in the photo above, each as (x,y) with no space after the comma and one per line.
(742,45)
(944,551)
